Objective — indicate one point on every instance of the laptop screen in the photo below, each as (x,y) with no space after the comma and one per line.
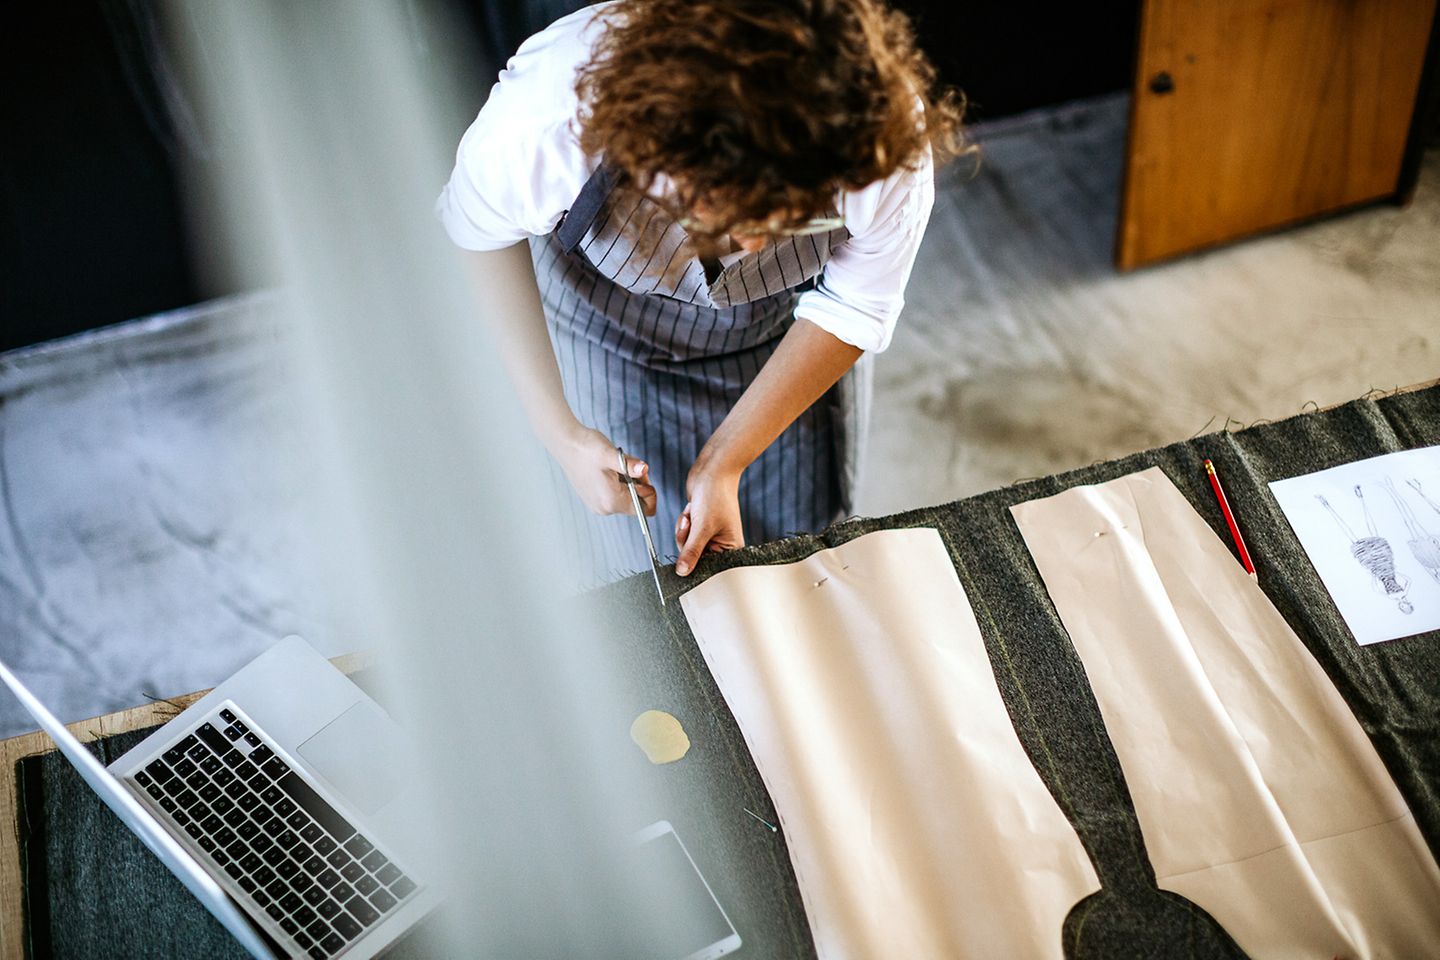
(139,822)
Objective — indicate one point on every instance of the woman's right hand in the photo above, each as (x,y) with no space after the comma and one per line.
(593,468)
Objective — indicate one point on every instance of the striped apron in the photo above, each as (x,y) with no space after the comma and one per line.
(655,346)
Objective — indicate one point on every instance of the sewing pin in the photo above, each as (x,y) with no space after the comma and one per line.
(773,828)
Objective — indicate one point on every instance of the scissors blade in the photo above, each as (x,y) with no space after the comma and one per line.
(629,482)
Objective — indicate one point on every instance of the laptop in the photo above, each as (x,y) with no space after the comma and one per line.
(279,800)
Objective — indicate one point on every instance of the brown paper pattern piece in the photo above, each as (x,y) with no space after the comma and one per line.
(915,822)
(1259,795)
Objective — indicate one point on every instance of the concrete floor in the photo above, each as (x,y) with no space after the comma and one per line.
(146,541)
(1022,352)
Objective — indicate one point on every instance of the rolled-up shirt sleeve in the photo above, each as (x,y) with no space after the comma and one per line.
(519,164)
(472,206)
(860,292)
(500,191)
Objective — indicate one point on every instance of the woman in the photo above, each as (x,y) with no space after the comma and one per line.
(723,201)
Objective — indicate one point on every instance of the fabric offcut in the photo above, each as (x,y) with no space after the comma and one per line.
(916,825)
(1258,794)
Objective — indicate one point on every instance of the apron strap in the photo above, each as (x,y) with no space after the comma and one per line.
(586,208)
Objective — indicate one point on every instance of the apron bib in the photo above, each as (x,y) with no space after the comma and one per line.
(655,346)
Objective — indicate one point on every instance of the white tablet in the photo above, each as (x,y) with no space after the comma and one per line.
(667,910)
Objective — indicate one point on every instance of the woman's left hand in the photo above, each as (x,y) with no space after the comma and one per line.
(807,362)
(710,522)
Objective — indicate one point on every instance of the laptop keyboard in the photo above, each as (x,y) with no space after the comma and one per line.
(295,857)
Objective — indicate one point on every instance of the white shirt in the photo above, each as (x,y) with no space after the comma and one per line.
(519,167)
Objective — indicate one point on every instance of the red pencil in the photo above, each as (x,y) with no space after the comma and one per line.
(1230,519)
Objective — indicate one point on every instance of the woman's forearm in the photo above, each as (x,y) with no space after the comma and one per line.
(807,362)
(504,283)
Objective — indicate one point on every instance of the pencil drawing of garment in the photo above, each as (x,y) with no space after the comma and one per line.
(1414,484)
(916,823)
(1259,795)
(1374,553)
(1422,543)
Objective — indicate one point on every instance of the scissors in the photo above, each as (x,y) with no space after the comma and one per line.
(629,482)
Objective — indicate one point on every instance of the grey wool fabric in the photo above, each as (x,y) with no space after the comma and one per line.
(102,895)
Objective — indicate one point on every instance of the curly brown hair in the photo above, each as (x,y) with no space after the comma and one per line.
(761,111)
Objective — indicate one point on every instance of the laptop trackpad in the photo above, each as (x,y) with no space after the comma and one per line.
(362,753)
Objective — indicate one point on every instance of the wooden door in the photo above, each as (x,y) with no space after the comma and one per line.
(1250,114)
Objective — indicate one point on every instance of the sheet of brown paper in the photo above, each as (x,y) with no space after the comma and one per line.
(1259,795)
(915,822)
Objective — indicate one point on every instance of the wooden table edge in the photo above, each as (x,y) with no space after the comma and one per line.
(15,749)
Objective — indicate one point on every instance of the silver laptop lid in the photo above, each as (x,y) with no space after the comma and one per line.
(135,817)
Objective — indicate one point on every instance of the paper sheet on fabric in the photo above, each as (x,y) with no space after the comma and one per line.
(1372,531)
(915,822)
(1259,795)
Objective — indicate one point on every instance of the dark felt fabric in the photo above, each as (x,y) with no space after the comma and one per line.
(1394,688)
(108,896)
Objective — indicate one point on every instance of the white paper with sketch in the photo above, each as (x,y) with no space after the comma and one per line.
(1372,530)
